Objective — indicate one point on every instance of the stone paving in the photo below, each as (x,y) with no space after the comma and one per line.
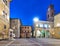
(3,43)
(32,42)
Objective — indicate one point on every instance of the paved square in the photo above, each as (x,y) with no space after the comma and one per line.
(31,42)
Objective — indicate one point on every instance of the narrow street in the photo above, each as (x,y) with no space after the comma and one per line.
(32,42)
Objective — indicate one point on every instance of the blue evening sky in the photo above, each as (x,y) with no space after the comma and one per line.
(26,10)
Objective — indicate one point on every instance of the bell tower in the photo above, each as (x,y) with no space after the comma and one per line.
(50,13)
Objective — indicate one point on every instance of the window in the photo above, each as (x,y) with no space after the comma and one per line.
(13,21)
(5,1)
(41,25)
(48,16)
(45,25)
(38,25)
(4,14)
(28,27)
(4,26)
(25,27)
(28,31)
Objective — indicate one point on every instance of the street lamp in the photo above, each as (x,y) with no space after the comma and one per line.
(58,25)
(36,19)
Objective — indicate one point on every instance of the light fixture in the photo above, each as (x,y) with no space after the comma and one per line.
(36,19)
(41,25)
(49,26)
(58,24)
(2,13)
(36,25)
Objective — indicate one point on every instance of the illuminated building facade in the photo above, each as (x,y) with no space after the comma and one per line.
(41,27)
(55,32)
(57,20)
(4,18)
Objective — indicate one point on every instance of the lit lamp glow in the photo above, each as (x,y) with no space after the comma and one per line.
(58,24)
(38,33)
(2,13)
(41,25)
(53,33)
(36,19)
(36,25)
(49,26)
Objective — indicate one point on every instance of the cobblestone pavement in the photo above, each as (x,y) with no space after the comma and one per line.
(32,42)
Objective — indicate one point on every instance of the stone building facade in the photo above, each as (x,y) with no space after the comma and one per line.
(26,32)
(4,18)
(41,27)
(15,24)
(57,20)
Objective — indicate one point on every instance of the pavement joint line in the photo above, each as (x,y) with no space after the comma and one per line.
(9,43)
(36,42)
